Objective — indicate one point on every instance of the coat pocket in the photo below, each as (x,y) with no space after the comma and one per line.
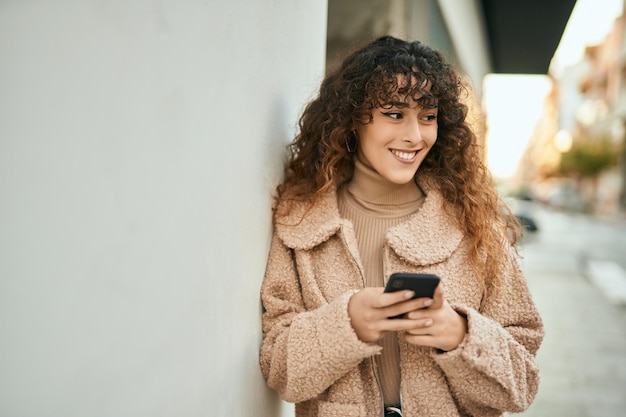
(328,409)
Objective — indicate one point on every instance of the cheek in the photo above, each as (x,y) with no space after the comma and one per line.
(368,153)
(371,142)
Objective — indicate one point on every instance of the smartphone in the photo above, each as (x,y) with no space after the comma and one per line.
(422,284)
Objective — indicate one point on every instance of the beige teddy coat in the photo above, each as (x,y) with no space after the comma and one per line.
(311,355)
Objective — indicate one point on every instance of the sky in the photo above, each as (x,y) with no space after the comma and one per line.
(513,102)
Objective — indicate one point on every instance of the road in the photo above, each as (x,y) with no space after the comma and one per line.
(575,266)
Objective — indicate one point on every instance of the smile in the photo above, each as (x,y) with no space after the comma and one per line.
(405,156)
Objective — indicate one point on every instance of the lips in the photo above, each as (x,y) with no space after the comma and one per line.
(405,156)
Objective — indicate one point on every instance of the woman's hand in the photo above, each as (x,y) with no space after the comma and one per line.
(370,310)
(437,326)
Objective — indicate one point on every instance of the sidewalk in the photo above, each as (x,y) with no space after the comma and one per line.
(583,357)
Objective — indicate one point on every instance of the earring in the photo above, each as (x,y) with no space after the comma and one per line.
(352,149)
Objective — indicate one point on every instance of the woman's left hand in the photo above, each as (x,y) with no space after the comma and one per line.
(437,326)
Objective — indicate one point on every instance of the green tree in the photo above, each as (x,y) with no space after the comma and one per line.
(587,158)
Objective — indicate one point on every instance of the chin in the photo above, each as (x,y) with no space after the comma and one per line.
(401,181)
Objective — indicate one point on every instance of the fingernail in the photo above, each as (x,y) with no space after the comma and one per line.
(409,294)
(428,323)
(428,302)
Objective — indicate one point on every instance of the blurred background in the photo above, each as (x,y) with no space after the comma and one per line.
(140,141)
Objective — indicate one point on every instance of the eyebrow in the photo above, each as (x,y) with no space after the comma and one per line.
(404,105)
(399,104)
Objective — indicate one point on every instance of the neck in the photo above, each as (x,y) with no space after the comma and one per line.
(369,186)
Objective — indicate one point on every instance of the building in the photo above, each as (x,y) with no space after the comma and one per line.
(584,114)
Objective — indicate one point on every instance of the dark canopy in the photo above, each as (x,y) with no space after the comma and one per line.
(524,34)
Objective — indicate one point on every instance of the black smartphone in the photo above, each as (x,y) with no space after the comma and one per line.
(423,284)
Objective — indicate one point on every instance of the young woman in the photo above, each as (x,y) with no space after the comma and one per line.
(386,176)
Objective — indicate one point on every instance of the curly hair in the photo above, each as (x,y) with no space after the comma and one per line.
(319,159)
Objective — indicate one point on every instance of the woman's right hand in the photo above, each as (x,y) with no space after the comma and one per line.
(370,310)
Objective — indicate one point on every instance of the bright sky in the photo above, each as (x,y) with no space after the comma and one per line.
(513,102)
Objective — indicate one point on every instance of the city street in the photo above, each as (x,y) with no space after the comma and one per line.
(575,268)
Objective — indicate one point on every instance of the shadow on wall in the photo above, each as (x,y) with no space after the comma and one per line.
(278,134)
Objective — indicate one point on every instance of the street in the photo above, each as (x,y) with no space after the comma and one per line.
(575,269)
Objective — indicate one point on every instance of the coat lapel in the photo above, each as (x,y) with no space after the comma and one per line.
(307,226)
(430,236)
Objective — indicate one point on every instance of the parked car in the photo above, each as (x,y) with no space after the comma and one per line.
(523,209)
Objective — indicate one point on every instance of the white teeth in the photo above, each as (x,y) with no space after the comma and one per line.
(407,156)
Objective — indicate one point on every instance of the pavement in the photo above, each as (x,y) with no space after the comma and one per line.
(582,301)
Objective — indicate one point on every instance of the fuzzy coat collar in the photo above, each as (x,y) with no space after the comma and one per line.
(429,236)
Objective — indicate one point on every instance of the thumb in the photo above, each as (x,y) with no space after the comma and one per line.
(437,297)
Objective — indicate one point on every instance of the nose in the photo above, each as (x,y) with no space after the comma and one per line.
(413,132)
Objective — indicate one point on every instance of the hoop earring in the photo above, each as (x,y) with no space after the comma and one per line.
(352,149)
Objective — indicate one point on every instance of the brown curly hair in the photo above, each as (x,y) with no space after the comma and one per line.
(319,159)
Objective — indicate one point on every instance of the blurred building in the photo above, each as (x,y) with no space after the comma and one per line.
(586,110)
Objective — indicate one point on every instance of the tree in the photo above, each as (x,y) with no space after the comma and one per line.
(588,158)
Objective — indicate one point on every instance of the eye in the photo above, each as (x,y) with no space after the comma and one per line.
(393,115)
(429,117)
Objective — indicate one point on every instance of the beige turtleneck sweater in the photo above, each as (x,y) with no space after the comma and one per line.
(374,205)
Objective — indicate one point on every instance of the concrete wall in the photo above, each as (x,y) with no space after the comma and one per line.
(139,143)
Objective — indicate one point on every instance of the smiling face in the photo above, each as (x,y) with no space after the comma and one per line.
(398,138)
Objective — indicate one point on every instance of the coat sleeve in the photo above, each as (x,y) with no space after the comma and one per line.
(303,351)
(494,368)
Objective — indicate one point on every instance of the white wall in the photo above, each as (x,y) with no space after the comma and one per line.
(139,143)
